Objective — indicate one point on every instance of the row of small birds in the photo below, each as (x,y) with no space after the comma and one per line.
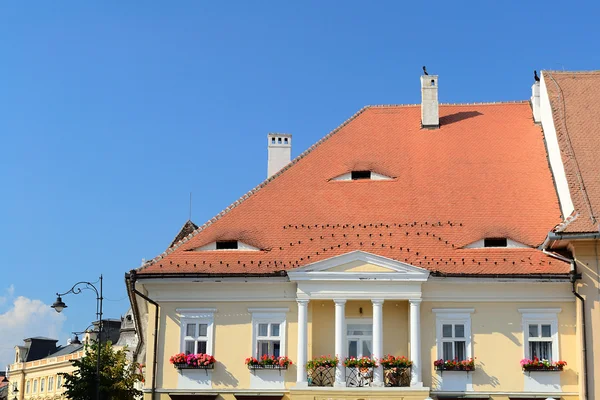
(535,75)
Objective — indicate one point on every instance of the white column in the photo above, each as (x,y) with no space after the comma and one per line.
(302,342)
(340,342)
(378,340)
(415,342)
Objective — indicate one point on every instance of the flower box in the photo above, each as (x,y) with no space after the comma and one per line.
(321,371)
(258,366)
(359,376)
(454,365)
(265,362)
(397,376)
(193,361)
(321,376)
(188,366)
(541,365)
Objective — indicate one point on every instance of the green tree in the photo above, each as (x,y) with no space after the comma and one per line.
(117,376)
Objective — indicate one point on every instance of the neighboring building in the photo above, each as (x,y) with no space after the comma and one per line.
(36,372)
(569,112)
(4,386)
(409,230)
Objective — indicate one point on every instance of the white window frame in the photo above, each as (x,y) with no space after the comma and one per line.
(540,316)
(269,316)
(42,385)
(51,384)
(446,316)
(58,382)
(197,316)
(35,386)
(28,386)
(360,338)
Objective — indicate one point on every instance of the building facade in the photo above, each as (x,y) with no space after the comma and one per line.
(40,362)
(569,113)
(409,231)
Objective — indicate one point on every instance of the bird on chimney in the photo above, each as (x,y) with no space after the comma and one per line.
(425,70)
(535,76)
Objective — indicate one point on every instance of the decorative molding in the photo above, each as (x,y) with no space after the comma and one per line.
(540,310)
(453,310)
(268,310)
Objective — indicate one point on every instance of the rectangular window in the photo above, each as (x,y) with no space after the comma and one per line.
(227,245)
(196,338)
(43,382)
(51,384)
(27,387)
(35,386)
(359,334)
(196,330)
(59,381)
(268,341)
(268,331)
(453,333)
(540,331)
(453,342)
(495,242)
(356,175)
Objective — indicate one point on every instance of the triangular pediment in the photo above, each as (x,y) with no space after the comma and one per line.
(359,265)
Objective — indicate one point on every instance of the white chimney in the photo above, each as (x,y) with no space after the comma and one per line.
(535,102)
(280,152)
(430,113)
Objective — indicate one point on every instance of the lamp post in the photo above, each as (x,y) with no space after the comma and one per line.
(59,305)
(15,391)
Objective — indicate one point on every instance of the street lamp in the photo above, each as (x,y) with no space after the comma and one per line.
(76,340)
(59,305)
(15,391)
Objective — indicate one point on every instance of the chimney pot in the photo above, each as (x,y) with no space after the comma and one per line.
(535,102)
(280,152)
(430,114)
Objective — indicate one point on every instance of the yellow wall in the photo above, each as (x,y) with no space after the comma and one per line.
(496,329)
(497,334)
(587,255)
(232,342)
(322,316)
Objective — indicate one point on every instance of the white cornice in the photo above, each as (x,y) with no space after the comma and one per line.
(540,310)
(453,310)
(268,310)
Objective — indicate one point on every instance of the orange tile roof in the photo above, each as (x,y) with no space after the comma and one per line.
(483,173)
(575,101)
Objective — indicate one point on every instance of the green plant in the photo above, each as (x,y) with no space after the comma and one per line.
(117,375)
(322,361)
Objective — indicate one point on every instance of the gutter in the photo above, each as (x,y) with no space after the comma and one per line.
(136,315)
(500,276)
(574,277)
(132,277)
(568,236)
(209,275)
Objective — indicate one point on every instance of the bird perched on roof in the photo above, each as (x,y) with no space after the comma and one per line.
(535,76)
(425,70)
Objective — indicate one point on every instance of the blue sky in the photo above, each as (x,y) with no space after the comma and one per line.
(112,112)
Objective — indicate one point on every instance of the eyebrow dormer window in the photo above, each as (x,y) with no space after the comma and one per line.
(227,245)
(356,175)
(362,175)
(495,242)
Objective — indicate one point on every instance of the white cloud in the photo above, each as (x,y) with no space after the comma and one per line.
(10,292)
(25,318)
